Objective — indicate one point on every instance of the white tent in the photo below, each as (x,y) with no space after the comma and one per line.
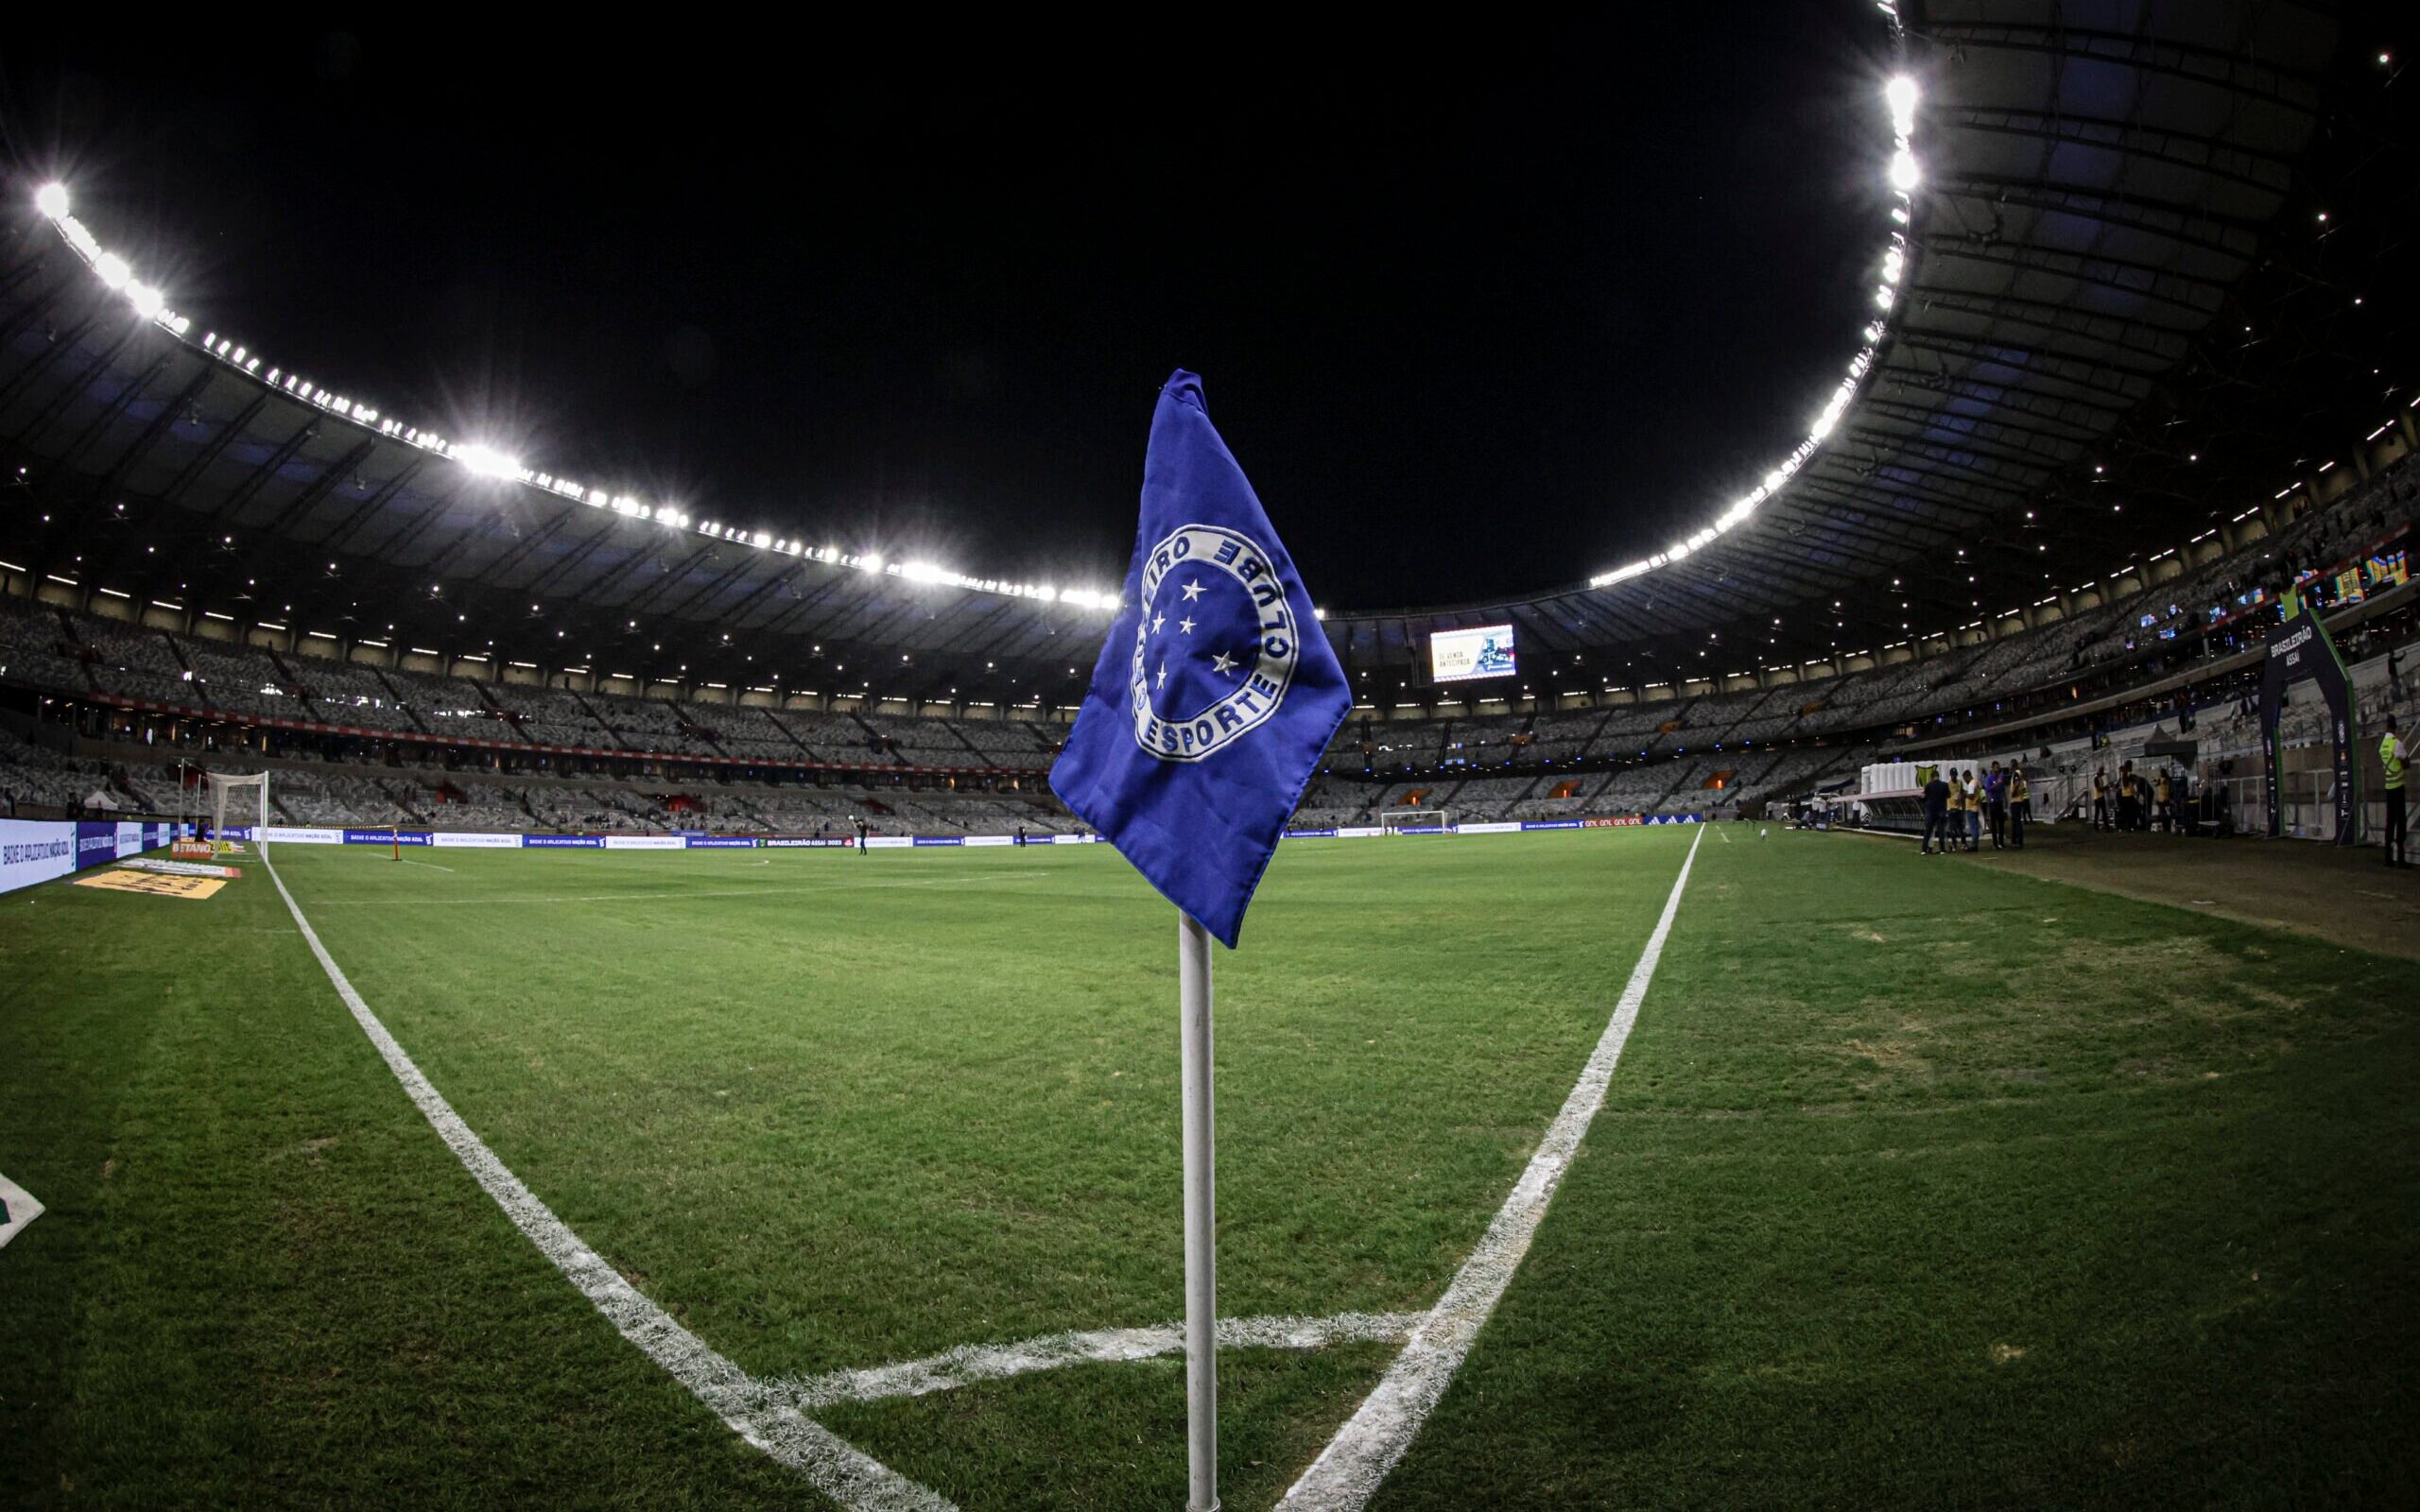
(96,798)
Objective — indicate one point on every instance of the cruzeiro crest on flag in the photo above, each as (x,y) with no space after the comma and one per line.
(1216,647)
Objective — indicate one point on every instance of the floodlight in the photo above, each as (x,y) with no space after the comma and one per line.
(51,199)
(148,301)
(487,461)
(112,269)
(1901,94)
(1905,175)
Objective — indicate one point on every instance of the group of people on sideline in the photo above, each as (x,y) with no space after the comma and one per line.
(2160,800)
(1959,804)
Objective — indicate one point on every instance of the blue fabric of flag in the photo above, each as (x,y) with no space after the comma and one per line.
(1216,691)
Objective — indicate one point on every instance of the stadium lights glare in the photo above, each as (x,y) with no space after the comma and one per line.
(1901,96)
(487,462)
(118,275)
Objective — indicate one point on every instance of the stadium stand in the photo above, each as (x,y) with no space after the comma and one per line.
(150,697)
(113,669)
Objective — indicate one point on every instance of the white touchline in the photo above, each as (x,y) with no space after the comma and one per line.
(830,1463)
(969,1363)
(1347,1472)
(430,864)
(18,1207)
(771,891)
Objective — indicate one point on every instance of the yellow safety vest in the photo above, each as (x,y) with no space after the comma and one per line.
(2393,762)
(2019,792)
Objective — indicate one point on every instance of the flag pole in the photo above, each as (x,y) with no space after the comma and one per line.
(1201,1222)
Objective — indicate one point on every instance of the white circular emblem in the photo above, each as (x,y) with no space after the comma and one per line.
(1216,649)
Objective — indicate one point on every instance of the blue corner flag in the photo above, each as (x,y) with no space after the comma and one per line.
(1216,691)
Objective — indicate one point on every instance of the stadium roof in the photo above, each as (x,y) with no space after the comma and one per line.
(2144,281)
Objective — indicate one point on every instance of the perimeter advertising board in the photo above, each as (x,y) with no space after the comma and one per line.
(35,850)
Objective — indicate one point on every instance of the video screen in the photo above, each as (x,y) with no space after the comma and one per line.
(1459,656)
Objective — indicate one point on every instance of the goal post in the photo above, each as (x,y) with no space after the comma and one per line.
(242,801)
(1416,821)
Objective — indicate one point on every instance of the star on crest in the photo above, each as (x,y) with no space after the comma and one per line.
(1186,625)
(1163,676)
(1222,663)
(1158,620)
(1193,591)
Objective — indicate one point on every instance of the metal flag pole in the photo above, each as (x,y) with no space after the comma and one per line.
(1201,1222)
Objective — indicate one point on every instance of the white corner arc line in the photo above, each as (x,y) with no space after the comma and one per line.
(829,1463)
(970,1364)
(1348,1471)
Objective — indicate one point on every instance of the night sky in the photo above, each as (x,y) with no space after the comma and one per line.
(1481,309)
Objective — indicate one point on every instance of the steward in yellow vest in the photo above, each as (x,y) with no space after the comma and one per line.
(2392,756)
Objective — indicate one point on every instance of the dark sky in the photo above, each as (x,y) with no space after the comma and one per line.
(1482,308)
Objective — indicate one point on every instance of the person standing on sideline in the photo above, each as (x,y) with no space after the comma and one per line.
(1974,812)
(1936,815)
(2394,758)
(2126,804)
(2021,807)
(2162,802)
(861,834)
(1957,814)
(2100,819)
(1996,805)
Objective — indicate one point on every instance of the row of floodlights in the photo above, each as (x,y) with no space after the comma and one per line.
(112,269)
(1901,96)
(485,461)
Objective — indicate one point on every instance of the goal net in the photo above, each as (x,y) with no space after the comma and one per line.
(238,802)
(1417,821)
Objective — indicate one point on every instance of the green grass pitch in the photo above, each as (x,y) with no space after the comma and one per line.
(1919,1185)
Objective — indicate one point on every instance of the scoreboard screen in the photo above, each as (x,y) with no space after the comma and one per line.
(1459,656)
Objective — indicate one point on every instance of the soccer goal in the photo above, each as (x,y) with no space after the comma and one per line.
(241,802)
(1416,821)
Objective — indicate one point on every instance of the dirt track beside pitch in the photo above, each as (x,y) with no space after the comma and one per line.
(2348,896)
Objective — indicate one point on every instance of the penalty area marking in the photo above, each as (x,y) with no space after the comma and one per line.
(829,1463)
(1348,1471)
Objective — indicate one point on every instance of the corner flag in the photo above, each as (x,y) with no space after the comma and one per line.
(1216,691)
(1214,696)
